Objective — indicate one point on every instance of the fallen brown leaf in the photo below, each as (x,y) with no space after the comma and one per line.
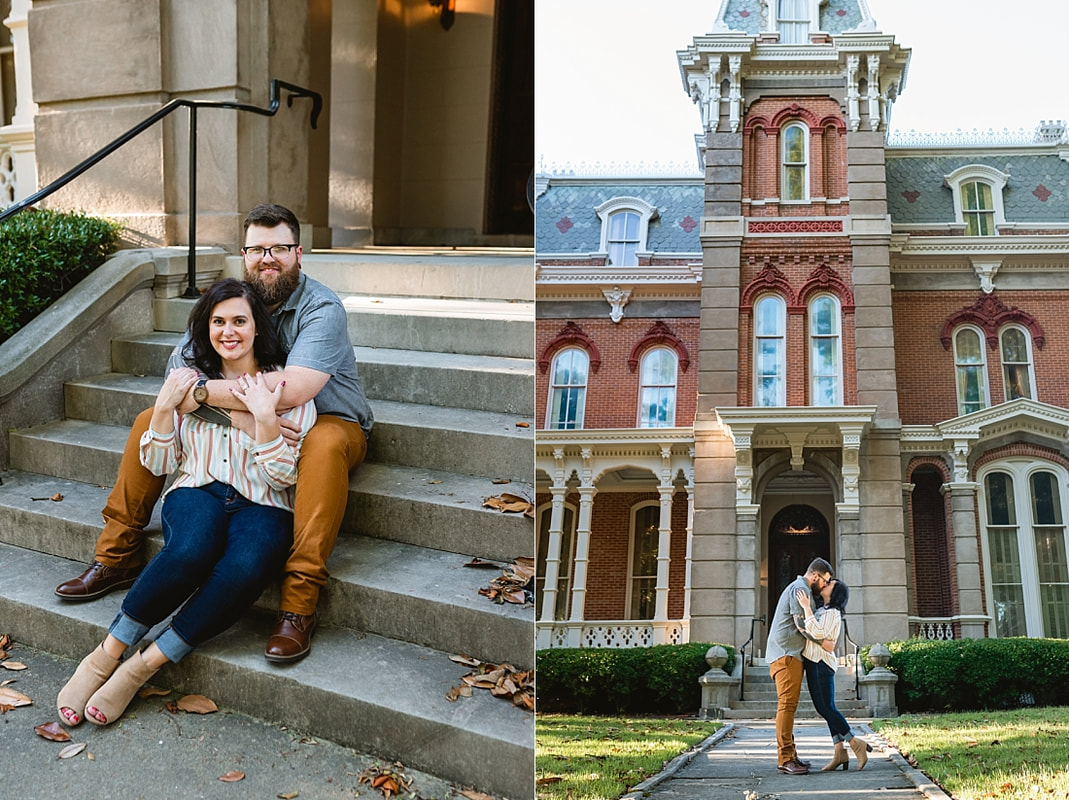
(14,666)
(3,654)
(12,698)
(501,480)
(523,424)
(456,692)
(71,750)
(471,794)
(288,795)
(5,640)
(233,776)
(388,781)
(467,661)
(197,704)
(57,497)
(434,482)
(507,502)
(152,691)
(478,562)
(548,779)
(52,731)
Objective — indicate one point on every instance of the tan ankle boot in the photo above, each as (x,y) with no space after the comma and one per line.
(113,697)
(840,759)
(861,751)
(91,674)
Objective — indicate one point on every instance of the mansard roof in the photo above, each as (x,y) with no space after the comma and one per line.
(836,16)
(566,221)
(1038,188)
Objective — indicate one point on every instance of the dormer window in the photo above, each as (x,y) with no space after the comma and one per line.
(977,192)
(795,173)
(625,223)
(792,21)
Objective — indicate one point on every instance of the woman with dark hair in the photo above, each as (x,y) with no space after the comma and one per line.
(227,518)
(822,629)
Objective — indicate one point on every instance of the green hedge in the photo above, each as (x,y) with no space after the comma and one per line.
(634,680)
(973,674)
(42,255)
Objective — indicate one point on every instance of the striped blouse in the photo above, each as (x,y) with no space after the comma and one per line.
(824,624)
(203,452)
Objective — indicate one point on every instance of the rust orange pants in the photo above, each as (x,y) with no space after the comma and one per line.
(787,674)
(331,449)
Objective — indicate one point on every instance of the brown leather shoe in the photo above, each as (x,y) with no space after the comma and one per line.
(291,639)
(97,581)
(794,767)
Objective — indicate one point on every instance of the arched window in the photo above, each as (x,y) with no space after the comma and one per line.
(657,393)
(971,369)
(770,351)
(623,239)
(825,352)
(564,568)
(1026,557)
(567,389)
(792,21)
(1015,349)
(977,190)
(642,584)
(795,175)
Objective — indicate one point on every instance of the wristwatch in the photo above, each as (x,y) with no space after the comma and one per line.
(200,391)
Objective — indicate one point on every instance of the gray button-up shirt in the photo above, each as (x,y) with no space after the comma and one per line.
(784,638)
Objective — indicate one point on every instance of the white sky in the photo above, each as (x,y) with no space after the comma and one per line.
(608,90)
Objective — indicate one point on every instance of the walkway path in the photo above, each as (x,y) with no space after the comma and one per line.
(739,763)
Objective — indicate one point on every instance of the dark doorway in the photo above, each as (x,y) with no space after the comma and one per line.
(797,534)
(511,146)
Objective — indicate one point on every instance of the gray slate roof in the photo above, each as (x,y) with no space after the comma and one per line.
(565,220)
(837,16)
(1038,189)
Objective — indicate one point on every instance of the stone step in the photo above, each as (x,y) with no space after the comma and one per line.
(380,695)
(395,589)
(749,709)
(475,327)
(482,383)
(505,274)
(431,437)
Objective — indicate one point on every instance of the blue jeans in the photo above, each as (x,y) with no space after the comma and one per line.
(821,680)
(220,551)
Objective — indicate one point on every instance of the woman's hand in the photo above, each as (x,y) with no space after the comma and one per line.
(805,600)
(253,392)
(174,388)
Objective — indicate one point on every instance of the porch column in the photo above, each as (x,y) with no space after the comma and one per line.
(552,570)
(690,538)
(664,536)
(582,548)
(19,134)
(966,545)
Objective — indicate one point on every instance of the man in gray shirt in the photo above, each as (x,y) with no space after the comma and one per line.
(784,656)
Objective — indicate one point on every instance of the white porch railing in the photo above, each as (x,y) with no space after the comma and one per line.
(934,628)
(612,633)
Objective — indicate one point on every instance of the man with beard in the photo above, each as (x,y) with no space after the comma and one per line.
(311,324)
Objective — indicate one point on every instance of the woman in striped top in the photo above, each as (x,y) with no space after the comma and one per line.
(227,518)
(822,629)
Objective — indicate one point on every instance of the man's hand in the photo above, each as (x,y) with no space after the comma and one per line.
(291,431)
(243,421)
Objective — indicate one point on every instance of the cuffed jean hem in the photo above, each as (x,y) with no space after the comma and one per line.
(127,630)
(173,646)
(842,737)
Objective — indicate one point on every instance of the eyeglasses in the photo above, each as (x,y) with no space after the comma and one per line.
(826,581)
(276,251)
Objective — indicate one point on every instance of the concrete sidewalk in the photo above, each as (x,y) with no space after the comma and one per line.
(739,763)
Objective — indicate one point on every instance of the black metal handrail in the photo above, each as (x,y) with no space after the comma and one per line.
(276,88)
(857,662)
(742,655)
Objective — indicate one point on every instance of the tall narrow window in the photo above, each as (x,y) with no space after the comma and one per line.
(1005,557)
(564,568)
(970,368)
(623,239)
(567,390)
(770,351)
(795,163)
(977,209)
(657,395)
(1049,531)
(793,21)
(1016,364)
(644,562)
(825,352)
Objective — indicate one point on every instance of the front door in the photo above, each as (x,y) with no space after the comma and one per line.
(798,534)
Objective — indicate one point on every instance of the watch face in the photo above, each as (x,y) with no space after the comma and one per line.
(200,393)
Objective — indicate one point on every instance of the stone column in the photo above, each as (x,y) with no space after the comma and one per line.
(582,548)
(967,558)
(690,538)
(664,547)
(552,569)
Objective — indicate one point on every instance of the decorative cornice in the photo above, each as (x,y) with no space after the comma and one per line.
(985,245)
(572,274)
(825,279)
(659,333)
(793,226)
(1017,416)
(570,334)
(769,279)
(989,313)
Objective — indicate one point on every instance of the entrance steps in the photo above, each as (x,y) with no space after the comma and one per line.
(399,600)
(759,693)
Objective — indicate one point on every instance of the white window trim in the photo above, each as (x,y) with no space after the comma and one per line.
(553,384)
(1031,360)
(641,386)
(986,389)
(1021,470)
(781,397)
(838,346)
(645,211)
(814,16)
(806,165)
(629,594)
(970,173)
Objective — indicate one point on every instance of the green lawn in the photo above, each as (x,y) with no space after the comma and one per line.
(1010,755)
(600,758)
